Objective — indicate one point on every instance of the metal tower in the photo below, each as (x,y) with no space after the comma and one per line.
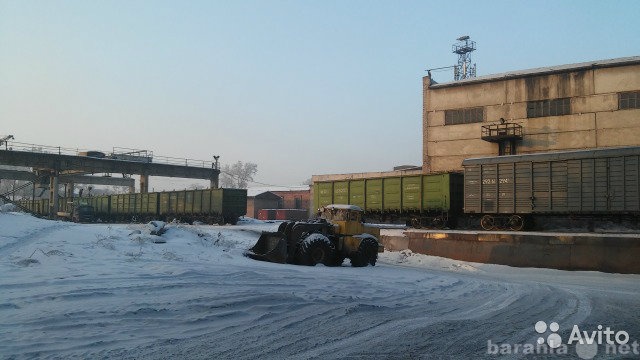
(464,69)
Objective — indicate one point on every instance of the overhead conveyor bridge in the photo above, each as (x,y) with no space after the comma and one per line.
(60,165)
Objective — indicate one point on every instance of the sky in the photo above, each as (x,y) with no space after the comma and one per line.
(298,87)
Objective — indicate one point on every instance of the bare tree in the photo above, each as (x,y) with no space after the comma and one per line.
(238,175)
(16,189)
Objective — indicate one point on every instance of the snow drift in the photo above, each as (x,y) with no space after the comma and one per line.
(121,291)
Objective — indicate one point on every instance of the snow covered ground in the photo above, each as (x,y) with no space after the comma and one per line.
(116,291)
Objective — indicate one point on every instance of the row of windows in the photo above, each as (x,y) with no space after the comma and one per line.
(464,116)
(554,107)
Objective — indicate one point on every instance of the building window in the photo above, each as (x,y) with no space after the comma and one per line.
(555,107)
(464,116)
(629,100)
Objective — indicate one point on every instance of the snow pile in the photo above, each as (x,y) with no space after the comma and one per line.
(8,208)
(244,220)
(409,258)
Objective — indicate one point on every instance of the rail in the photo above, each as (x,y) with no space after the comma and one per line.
(117,153)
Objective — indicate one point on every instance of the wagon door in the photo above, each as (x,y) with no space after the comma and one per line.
(341,192)
(601,184)
(373,195)
(411,191)
(632,184)
(541,187)
(559,182)
(472,189)
(523,187)
(506,189)
(489,188)
(617,184)
(356,193)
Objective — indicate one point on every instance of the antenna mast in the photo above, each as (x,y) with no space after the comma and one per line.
(464,69)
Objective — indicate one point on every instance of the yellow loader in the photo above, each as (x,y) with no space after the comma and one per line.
(338,233)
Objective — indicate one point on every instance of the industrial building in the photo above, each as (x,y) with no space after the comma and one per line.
(568,107)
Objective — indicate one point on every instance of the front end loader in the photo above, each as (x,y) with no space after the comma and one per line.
(338,234)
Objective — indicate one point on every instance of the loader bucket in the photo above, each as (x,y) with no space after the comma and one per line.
(271,246)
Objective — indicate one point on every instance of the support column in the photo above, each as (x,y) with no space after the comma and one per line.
(70,186)
(54,203)
(214,183)
(144,183)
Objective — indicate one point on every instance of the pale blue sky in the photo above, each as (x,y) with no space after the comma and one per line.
(299,87)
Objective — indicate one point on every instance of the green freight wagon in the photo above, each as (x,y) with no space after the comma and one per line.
(420,200)
(373,196)
(101,206)
(234,204)
(208,205)
(356,193)
(322,194)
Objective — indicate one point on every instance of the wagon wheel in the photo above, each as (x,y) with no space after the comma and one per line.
(438,222)
(488,222)
(516,222)
(415,223)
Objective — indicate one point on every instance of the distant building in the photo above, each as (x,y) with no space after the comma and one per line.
(577,106)
(295,199)
(278,198)
(264,200)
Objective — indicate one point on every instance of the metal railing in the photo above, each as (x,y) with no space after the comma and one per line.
(502,131)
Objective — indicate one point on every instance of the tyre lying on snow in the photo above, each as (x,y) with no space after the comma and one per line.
(338,234)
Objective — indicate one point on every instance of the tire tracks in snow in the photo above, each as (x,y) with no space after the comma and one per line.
(31,237)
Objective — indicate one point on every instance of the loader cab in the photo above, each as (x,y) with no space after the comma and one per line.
(346,218)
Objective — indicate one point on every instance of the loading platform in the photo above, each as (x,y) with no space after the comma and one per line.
(607,252)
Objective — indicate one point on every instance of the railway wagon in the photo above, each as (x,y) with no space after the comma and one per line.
(433,200)
(122,207)
(207,205)
(509,191)
(39,207)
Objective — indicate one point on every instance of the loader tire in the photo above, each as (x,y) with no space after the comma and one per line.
(367,253)
(316,249)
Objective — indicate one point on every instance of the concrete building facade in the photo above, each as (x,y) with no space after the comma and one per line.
(577,106)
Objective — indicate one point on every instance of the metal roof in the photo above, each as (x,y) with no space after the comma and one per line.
(556,156)
(625,61)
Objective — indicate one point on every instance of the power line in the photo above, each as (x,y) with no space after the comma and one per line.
(257,182)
